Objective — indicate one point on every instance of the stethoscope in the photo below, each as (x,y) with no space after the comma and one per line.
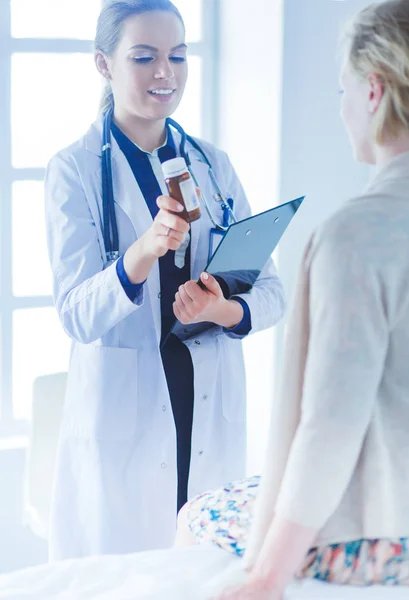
(110,226)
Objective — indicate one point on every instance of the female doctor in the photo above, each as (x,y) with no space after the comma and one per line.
(143,429)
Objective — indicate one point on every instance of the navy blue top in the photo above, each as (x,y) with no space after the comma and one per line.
(171,276)
(176,358)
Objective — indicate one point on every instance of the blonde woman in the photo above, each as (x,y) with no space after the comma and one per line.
(334,503)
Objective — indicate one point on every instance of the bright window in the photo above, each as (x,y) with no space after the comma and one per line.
(40,347)
(31,274)
(54,19)
(48,98)
(40,128)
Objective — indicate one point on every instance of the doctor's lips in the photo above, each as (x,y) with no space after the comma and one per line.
(162,94)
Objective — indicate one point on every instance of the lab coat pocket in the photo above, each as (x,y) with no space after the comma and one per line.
(233,380)
(102,393)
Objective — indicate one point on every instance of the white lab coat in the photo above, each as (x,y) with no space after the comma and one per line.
(116,478)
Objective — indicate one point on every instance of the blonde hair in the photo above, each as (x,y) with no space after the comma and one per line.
(378,43)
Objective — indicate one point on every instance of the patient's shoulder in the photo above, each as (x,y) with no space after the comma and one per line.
(355,229)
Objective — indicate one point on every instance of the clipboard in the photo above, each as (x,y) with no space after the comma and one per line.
(240,257)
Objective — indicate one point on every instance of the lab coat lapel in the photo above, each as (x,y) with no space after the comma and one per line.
(200,170)
(127,194)
(128,197)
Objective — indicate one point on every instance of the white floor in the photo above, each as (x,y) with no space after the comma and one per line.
(186,574)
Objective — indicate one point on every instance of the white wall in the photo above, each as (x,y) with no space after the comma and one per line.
(316,158)
(248,130)
(286,139)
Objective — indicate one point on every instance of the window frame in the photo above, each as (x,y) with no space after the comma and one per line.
(207,49)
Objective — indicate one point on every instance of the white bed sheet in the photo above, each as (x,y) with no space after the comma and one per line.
(185,574)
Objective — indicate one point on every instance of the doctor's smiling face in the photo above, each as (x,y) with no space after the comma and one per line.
(147,70)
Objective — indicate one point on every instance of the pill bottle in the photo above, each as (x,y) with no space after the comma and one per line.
(182,188)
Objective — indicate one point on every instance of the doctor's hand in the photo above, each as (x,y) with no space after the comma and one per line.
(167,232)
(168,229)
(195,305)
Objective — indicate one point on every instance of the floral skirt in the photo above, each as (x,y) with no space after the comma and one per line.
(223,517)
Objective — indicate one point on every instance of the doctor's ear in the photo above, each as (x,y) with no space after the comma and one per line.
(102,65)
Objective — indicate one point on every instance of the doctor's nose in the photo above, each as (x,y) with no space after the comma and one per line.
(164,71)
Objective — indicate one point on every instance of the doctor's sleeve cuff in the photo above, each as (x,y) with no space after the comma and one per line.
(244,327)
(131,289)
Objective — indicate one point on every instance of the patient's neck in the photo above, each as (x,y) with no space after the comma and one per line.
(390,148)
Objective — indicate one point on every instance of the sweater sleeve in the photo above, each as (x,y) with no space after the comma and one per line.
(348,341)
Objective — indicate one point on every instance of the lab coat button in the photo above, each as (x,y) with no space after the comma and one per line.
(200,452)
(163,465)
(205,397)
(163,408)
(197,342)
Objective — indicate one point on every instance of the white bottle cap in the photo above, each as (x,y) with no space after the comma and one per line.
(174,167)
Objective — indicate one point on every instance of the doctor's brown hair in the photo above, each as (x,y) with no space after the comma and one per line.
(378,43)
(110,26)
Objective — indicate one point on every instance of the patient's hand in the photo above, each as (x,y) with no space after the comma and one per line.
(253,589)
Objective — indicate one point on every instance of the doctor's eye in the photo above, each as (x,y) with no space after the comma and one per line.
(177,59)
(143,60)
